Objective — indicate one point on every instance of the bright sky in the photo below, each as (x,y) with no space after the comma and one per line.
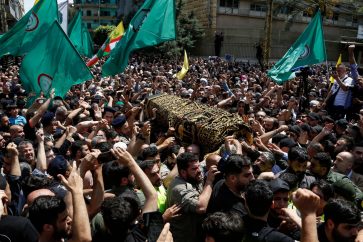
(28,4)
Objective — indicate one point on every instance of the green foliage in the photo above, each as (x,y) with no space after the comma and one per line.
(101,33)
(189,31)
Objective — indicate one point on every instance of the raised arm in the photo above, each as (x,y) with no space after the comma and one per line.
(307,203)
(149,191)
(80,223)
(41,158)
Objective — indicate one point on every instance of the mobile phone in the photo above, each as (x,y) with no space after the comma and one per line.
(105,157)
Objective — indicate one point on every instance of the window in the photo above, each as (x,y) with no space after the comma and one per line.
(285,10)
(89,26)
(89,13)
(105,13)
(229,3)
(258,7)
(354,19)
(306,14)
(335,17)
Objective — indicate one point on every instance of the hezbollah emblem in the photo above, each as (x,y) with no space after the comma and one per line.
(33,23)
(306,53)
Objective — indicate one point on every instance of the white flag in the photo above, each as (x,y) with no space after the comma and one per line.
(63,15)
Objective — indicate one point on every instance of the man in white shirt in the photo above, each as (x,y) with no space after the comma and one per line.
(342,90)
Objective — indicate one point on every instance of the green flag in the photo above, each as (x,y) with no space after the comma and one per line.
(308,49)
(53,63)
(153,24)
(30,29)
(80,37)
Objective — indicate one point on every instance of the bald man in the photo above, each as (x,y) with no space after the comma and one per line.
(37,193)
(343,164)
(16,131)
(32,196)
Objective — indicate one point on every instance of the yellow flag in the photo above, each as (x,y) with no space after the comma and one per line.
(117,32)
(36,1)
(338,63)
(180,75)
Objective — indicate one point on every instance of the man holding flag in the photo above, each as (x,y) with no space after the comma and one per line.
(339,99)
(308,49)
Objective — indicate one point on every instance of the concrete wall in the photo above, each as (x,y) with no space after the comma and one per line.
(243,28)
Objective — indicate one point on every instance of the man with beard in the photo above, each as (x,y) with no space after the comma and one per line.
(321,168)
(341,222)
(344,143)
(49,214)
(122,128)
(358,158)
(152,170)
(187,191)
(297,164)
(259,199)
(263,163)
(228,193)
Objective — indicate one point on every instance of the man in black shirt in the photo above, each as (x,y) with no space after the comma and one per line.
(259,199)
(341,222)
(227,194)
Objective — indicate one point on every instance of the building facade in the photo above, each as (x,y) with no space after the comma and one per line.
(243,22)
(10,12)
(98,12)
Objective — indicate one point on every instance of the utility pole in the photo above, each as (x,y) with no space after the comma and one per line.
(99,12)
(268,29)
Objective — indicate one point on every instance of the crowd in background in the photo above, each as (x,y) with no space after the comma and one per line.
(90,166)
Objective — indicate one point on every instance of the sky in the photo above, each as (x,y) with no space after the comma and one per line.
(28,4)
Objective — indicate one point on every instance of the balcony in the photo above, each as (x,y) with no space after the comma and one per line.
(98,17)
(96,5)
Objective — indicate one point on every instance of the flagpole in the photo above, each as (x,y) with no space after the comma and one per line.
(326,61)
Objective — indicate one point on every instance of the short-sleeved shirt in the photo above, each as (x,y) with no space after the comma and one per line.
(342,96)
(187,226)
(18,120)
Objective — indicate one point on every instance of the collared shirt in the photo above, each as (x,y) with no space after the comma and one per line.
(187,226)
(343,98)
(350,174)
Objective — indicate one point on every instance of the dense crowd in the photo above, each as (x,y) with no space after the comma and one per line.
(93,166)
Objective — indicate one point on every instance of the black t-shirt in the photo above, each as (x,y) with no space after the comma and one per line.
(258,231)
(224,200)
(14,228)
(148,229)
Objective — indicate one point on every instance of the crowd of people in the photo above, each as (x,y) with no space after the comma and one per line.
(92,166)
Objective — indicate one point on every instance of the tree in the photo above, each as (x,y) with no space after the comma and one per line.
(101,33)
(189,31)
